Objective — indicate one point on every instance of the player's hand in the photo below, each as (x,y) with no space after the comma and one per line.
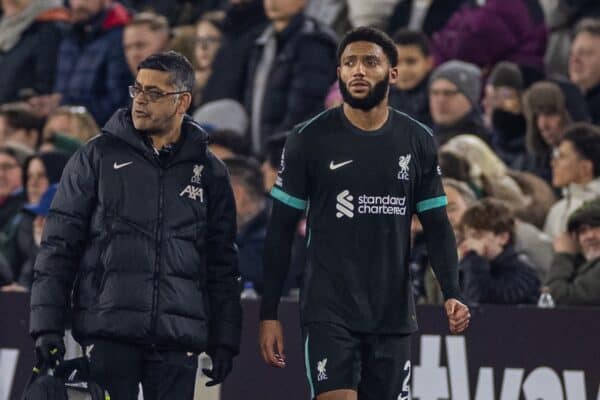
(565,243)
(270,340)
(222,363)
(458,315)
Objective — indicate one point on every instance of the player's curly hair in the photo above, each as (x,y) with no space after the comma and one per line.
(372,35)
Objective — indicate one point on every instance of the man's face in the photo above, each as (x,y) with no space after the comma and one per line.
(500,98)
(10,175)
(456,207)
(59,123)
(364,75)
(283,9)
(413,66)
(208,41)
(84,10)
(154,115)
(589,241)
(584,61)
(551,127)
(493,243)
(139,42)
(447,104)
(568,166)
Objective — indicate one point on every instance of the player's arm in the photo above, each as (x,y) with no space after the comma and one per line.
(278,248)
(289,194)
(441,243)
(441,247)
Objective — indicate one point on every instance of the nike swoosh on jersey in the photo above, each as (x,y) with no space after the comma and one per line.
(119,166)
(333,165)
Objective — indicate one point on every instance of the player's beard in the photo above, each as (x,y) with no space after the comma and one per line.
(373,98)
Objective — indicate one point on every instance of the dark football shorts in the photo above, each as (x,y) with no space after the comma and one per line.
(378,367)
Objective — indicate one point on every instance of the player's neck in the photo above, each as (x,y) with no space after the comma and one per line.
(367,120)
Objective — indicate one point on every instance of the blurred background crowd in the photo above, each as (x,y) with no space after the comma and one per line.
(510,88)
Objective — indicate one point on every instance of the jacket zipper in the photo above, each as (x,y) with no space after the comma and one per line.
(158,246)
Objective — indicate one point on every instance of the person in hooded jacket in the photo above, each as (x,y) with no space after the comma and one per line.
(140,239)
(30,33)
(92,70)
(16,241)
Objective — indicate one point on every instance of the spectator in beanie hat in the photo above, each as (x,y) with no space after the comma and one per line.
(454,91)
(503,111)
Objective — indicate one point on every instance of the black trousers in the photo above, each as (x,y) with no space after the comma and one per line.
(120,368)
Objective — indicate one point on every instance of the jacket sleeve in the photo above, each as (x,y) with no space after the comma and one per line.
(313,74)
(223,280)
(63,242)
(569,288)
(46,59)
(513,285)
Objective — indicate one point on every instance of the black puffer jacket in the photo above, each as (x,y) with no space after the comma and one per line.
(303,71)
(147,244)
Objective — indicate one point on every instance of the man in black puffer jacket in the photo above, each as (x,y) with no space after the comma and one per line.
(290,69)
(140,241)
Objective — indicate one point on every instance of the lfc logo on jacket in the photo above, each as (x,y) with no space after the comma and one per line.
(191,191)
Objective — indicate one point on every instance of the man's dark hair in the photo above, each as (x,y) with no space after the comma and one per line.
(372,35)
(154,22)
(231,140)
(489,215)
(588,25)
(20,117)
(409,37)
(176,64)
(247,172)
(585,138)
(587,214)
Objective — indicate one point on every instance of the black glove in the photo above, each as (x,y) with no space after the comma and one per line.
(222,362)
(50,349)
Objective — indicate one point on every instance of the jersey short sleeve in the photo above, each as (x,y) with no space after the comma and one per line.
(290,186)
(430,192)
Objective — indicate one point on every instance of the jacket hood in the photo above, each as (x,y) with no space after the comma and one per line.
(116,16)
(120,125)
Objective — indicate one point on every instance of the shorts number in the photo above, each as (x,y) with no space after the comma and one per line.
(405,393)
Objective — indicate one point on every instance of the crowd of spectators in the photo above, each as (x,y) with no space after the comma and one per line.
(511,91)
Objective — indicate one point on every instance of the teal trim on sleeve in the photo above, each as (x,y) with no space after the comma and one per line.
(288,199)
(307,364)
(428,204)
